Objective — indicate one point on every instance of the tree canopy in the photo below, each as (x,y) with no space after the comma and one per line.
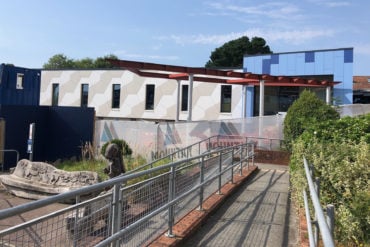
(231,53)
(60,61)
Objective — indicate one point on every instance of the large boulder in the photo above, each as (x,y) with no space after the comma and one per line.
(37,180)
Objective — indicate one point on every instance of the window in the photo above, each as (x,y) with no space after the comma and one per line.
(55,94)
(116,95)
(84,95)
(149,97)
(20,80)
(225,98)
(184,97)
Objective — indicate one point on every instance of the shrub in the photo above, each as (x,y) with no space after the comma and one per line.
(124,147)
(340,153)
(307,110)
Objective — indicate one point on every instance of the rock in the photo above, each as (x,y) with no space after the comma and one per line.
(37,180)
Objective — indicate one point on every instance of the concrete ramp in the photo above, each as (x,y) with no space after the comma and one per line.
(259,213)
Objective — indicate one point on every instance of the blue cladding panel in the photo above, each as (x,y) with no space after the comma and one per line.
(275,69)
(319,63)
(348,56)
(300,64)
(328,62)
(336,62)
(291,64)
(275,59)
(250,102)
(309,57)
(10,95)
(266,63)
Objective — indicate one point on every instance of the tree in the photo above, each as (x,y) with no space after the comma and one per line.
(60,61)
(231,53)
(308,109)
(101,62)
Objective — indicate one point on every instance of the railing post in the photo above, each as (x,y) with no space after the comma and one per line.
(317,228)
(201,180)
(77,217)
(252,154)
(270,144)
(232,165)
(330,218)
(116,211)
(220,174)
(171,193)
(241,160)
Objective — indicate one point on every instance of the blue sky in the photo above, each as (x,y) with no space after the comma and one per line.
(182,32)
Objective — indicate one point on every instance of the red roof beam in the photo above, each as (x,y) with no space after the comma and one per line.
(178,76)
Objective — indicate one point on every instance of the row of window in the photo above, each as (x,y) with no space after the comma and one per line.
(149,96)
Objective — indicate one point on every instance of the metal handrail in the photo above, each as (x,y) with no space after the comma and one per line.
(95,187)
(222,161)
(326,233)
(199,143)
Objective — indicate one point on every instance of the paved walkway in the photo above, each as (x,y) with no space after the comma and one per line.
(258,214)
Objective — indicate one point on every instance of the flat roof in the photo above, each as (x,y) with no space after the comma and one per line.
(215,75)
(293,52)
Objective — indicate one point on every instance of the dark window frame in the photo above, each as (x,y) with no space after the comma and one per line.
(149,96)
(55,94)
(116,96)
(184,97)
(84,95)
(226,98)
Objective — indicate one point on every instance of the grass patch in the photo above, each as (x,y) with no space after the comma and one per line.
(98,166)
(85,165)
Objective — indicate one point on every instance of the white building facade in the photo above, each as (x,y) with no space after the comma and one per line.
(122,94)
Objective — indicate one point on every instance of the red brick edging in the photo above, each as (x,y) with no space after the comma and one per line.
(194,219)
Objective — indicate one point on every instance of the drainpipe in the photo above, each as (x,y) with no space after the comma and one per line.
(262,98)
(328,95)
(190,100)
(178,101)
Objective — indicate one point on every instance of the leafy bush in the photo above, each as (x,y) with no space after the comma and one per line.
(340,153)
(307,110)
(123,146)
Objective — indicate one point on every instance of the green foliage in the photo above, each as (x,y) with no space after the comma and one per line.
(60,61)
(231,54)
(85,165)
(122,145)
(139,163)
(340,153)
(307,110)
(133,163)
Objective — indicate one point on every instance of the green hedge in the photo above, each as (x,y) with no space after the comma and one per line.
(340,153)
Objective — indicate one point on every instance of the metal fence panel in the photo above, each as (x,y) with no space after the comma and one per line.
(132,210)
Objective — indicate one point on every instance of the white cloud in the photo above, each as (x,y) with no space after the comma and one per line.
(331,4)
(125,54)
(362,49)
(275,10)
(270,35)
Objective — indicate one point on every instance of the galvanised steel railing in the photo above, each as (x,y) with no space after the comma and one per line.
(134,209)
(211,143)
(321,223)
